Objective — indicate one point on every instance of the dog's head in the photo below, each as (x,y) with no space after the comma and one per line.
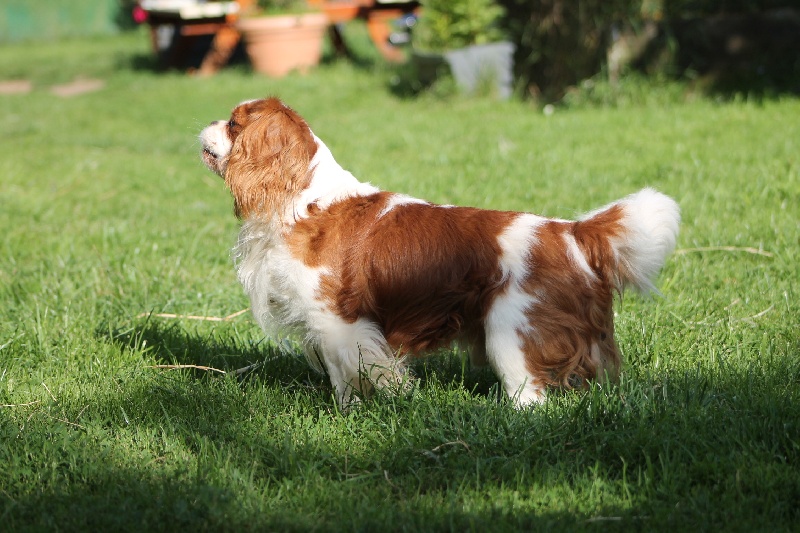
(263,152)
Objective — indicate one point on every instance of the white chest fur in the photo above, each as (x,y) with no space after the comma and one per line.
(283,291)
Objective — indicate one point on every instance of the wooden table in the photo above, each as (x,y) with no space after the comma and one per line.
(378,15)
(191,20)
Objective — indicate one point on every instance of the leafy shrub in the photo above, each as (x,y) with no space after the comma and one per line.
(449,24)
(561,42)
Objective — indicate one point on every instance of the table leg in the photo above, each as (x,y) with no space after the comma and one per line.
(222,47)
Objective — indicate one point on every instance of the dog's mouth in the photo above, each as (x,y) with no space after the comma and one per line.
(207,153)
(211,159)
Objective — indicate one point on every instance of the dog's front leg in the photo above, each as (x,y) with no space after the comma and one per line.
(358,359)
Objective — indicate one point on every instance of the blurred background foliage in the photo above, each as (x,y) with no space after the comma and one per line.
(720,45)
(562,46)
(30,20)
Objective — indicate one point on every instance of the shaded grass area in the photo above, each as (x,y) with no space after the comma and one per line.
(107,218)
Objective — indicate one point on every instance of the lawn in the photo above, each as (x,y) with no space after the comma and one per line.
(110,222)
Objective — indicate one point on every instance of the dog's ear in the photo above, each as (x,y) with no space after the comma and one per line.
(269,161)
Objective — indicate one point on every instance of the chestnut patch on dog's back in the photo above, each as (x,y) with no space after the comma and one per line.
(424,273)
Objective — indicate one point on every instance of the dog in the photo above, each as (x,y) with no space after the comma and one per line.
(367,278)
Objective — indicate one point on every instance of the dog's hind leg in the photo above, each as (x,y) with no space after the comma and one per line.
(507,358)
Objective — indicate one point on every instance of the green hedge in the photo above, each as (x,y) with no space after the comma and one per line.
(561,42)
(696,8)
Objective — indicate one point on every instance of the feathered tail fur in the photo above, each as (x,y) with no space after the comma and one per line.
(641,229)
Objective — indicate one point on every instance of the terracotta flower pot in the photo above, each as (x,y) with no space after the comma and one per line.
(277,45)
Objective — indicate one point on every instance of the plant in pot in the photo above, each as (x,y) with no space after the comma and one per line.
(463,37)
(282,35)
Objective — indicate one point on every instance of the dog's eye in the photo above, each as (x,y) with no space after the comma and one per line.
(232,124)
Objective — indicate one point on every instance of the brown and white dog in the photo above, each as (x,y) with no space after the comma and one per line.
(366,277)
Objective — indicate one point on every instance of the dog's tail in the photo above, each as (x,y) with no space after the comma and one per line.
(629,240)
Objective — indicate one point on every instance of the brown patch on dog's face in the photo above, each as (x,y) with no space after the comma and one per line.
(218,138)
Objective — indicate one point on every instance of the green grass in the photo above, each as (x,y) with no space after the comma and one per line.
(107,214)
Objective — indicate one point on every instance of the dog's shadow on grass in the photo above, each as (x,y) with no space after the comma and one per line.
(670,434)
(213,352)
(257,360)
